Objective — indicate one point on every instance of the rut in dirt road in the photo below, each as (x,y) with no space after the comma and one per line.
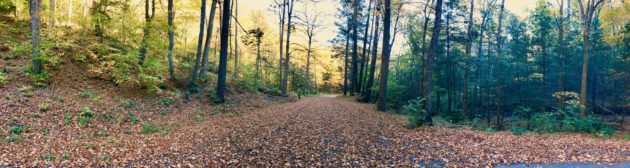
(325,131)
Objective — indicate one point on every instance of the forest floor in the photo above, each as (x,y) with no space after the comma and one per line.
(331,132)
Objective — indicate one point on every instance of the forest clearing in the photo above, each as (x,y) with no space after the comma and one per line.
(314,83)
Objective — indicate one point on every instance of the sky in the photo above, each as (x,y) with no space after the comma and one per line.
(328,9)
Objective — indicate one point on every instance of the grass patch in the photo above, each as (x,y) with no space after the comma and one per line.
(149,129)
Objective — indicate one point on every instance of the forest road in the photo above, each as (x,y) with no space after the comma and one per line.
(325,131)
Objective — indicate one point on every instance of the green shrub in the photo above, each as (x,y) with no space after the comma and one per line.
(148,129)
(588,124)
(167,101)
(132,118)
(40,79)
(17,129)
(88,94)
(106,158)
(21,49)
(12,138)
(44,107)
(3,78)
(7,7)
(416,112)
(545,122)
(67,119)
(128,104)
(86,115)
(518,131)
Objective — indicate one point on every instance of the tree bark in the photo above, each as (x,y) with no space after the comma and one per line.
(193,76)
(225,22)
(382,93)
(345,68)
(354,85)
(235,39)
(171,40)
(206,49)
(288,54)
(365,41)
(35,8)
(432,52)
(469,42)
(499,83)
(370,81)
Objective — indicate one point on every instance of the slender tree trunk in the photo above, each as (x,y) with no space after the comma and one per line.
(282,17)
(147,17)
(586,44)
(193,77)
(499,85)
(171,40)
(235,39)
(51,24)
(225,23)
(425,27)
(561,53)
(345,67)
(365,41)
(469,41)
(257,56)
(308,63)
(355,51)
(432,52)
(35,8)
(382,92)
(370,81)
(206,49)
(288,54)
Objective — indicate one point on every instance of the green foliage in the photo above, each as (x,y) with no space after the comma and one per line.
(518,131)
(3,78)
(546,122)
(148,129)
(588,124)
(44,107)
(67,119)
(132,118)
(167,101)
(416,112)
(40,79)
(85,116)
(6,7)
(106,158)
(17,129)
(128,104)
(12,138)
(22,49)
(88,94)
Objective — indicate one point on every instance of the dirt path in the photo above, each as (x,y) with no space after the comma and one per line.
(333,132)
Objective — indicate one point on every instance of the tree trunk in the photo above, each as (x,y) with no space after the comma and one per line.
(308,63)
(345,67)
(586,36)
(561,54)
(288,54)
(225,22)
(282,17)
(193,76)
(35,8)
(382,92)
(206,49)
(257,56)
(432,52)
(355,51)
(147,17)
(499,83)
(171,40)
(466,61)
(370,81)
(365,41)
(235,39)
